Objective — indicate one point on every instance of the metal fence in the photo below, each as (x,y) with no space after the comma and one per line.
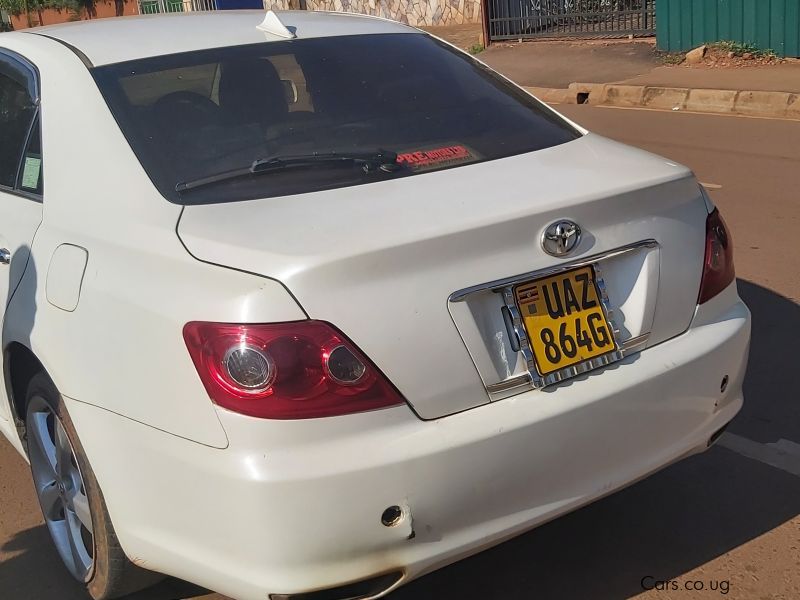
(151,7)
(518,19)
(766,24)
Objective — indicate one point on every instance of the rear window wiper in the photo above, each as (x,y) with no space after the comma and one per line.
(369,162)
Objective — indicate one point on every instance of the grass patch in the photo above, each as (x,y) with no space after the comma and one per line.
(742,48)
(475,49)
(671,58)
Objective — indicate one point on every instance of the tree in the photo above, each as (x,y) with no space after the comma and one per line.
(18,7)
(79,6)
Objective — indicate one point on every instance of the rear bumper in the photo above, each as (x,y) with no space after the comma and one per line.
(296,506)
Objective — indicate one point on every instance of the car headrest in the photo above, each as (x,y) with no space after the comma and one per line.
(251,91)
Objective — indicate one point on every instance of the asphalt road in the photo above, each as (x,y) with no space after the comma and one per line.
(727,519)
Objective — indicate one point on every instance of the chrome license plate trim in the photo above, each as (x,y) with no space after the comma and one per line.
(499,284)
(538,380)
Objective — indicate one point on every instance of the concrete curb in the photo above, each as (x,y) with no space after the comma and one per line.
(783,105)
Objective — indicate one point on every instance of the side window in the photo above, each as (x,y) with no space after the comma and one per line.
(30,173)
(17,109)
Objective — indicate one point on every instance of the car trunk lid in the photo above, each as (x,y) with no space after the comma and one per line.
(382,261)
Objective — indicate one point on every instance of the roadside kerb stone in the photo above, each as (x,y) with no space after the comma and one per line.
(585,92)
(665,98)
(539,92)
(763,104)
(793,111)
(560,97)
(715,101)
(749,103)
(621,95)
(553,95)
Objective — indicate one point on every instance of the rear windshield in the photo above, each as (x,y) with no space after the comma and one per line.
(194,116)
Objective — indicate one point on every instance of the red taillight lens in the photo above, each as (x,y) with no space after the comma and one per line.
(718,271)
(297,370)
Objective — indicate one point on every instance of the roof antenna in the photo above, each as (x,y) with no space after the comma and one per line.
(272,24)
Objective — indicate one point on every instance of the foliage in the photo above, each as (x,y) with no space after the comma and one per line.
(671,58)
(475,49)
(741,48)
(76,7)
(12,7)
(18,7)
(5,22)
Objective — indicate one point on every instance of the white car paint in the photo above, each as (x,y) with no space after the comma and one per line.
(65,276)
(392,276)
(21,217)
(293,506)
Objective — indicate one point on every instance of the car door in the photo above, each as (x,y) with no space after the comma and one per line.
(21,175)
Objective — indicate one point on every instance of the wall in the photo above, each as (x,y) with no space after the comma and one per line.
(51,16)
(412,12)
(769,24)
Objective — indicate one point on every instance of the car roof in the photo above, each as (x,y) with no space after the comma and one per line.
(106,41)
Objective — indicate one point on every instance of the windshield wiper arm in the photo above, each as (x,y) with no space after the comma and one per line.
(369,162)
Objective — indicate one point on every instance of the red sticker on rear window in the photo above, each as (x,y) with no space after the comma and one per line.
(436,157)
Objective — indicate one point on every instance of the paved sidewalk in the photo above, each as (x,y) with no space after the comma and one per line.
(772,78)
(464,36)
(556,64)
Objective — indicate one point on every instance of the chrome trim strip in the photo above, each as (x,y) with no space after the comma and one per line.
(604,301)
(539,381)
(460,295)
(520,383)
(519,330)
(635,344)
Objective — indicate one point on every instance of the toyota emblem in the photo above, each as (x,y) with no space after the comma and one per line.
(561,237)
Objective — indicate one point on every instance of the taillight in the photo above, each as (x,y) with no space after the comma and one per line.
(297,370)
(718,271)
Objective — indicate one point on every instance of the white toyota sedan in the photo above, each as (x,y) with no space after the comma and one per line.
(306,305)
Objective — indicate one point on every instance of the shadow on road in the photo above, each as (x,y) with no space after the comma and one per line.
(35,572)
(663,527)
(772,406)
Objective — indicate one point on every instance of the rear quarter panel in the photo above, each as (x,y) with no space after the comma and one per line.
(122,347)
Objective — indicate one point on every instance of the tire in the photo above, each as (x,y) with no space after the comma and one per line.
(71,499)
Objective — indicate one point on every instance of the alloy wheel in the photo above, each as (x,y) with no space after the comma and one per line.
(60,488)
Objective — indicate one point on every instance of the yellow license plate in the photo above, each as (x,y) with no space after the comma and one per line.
(564,319)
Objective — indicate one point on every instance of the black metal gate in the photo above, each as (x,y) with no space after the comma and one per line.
(517,19)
